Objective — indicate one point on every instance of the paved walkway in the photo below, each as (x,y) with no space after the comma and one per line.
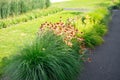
(78,9)
(106,58)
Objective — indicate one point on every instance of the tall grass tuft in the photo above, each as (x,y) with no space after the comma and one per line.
(15,7)
(46,58)
(92,39)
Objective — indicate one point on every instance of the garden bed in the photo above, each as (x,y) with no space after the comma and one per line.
(53,44)
(87,33)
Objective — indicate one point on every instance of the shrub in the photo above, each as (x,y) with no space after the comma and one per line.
(99,15)
(46,58)
(47,2)
(115,5)
(91,39)
(100,29)
(93,25)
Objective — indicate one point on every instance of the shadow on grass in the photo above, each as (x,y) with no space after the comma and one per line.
(102,4)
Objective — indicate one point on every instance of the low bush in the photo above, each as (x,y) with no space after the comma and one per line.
(99,15)
(100,29)
(93,26)
(91,39)
(90,33)
(46,58)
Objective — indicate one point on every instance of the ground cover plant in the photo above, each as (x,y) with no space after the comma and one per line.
(15,7)
(45,58)
(27,16)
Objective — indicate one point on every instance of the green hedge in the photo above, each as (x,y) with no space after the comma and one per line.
(15,7)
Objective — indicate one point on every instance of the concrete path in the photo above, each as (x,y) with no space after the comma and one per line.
(106,58)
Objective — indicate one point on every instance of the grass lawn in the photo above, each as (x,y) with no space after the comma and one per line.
(90,4)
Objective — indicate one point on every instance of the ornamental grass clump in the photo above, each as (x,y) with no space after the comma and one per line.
(45,58)
(15,7)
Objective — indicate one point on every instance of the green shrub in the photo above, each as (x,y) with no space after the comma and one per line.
(46,58)
(47,2)
(91,39)
(100,29)
(98,15)
(3,24)
(115,5)
(93,26)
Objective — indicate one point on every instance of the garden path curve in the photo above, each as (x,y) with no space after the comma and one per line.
(105,63)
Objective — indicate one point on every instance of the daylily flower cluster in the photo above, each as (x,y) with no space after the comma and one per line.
(63,28)
(66,29)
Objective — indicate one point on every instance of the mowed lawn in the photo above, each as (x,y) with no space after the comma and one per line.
(15,36)
(89,4)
